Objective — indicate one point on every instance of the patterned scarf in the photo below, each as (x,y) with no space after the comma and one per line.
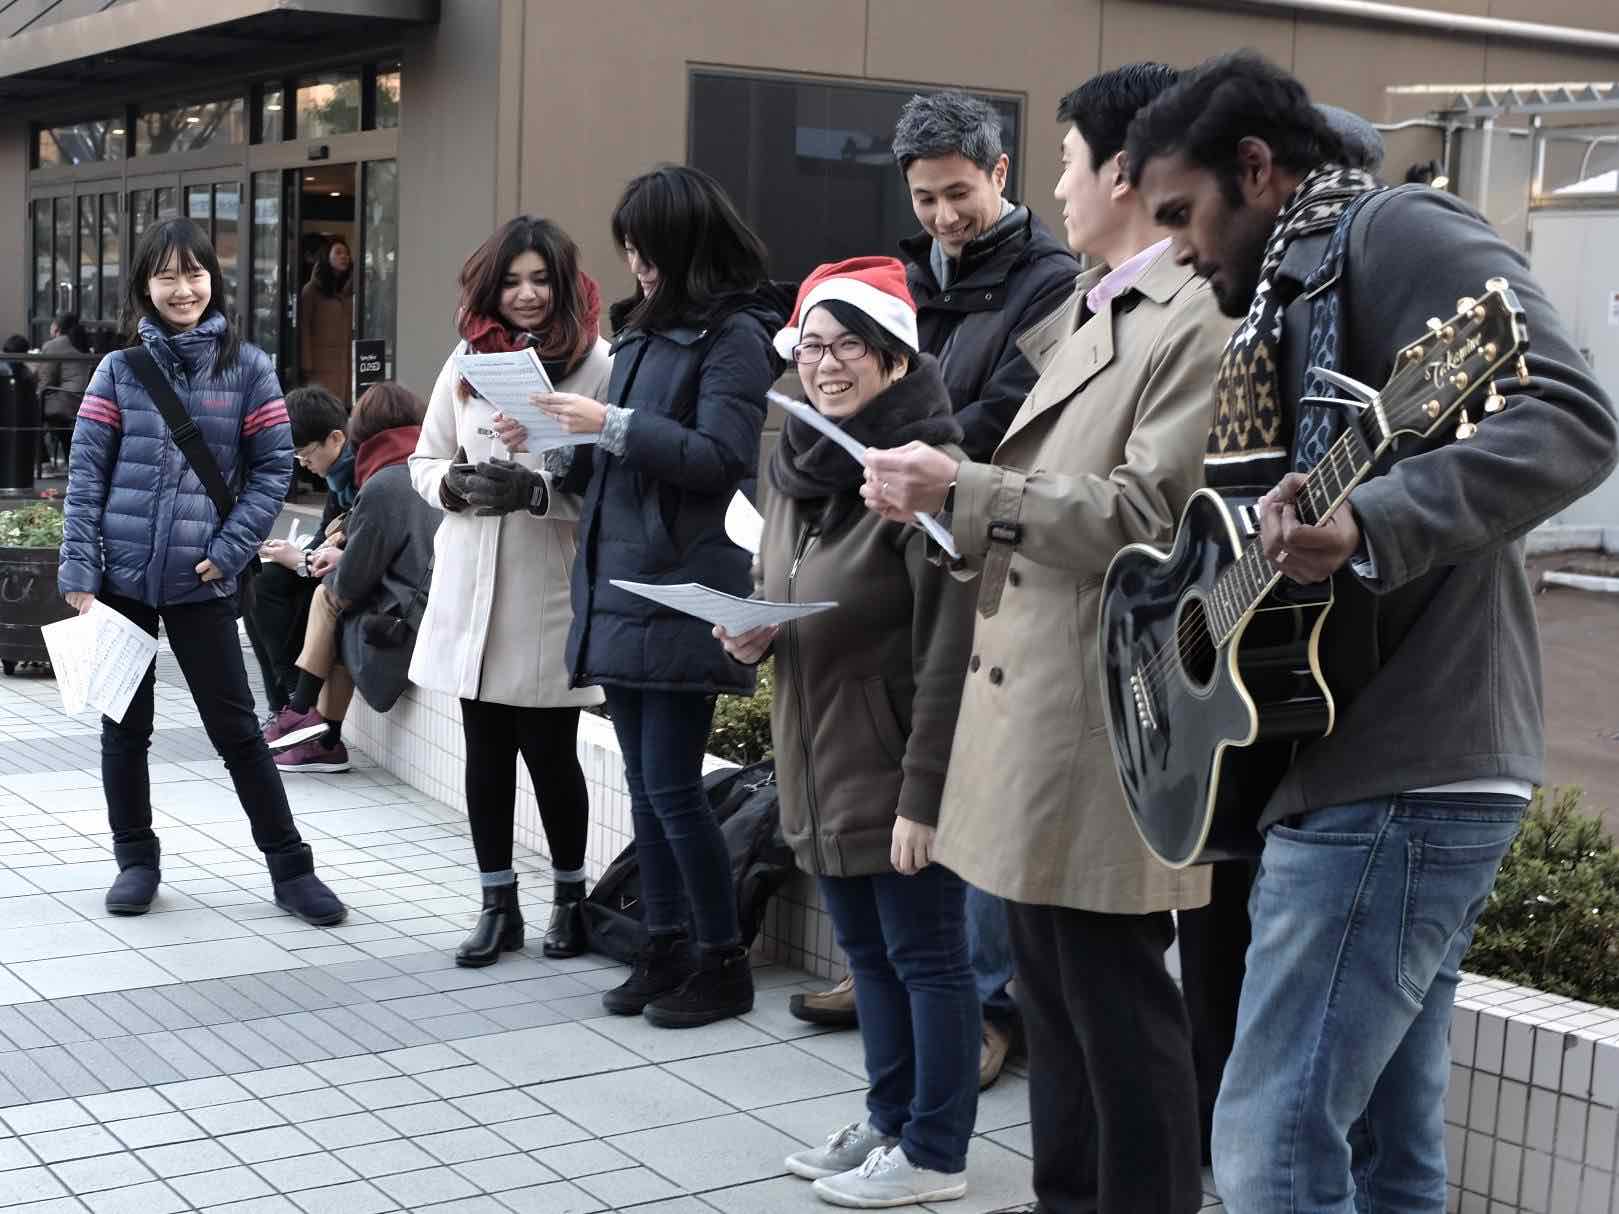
(1250,438)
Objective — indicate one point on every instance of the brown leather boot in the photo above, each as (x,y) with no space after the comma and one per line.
(992,1057)
(833,1008)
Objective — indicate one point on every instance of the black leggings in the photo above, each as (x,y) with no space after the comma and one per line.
(547,739)
(203,638)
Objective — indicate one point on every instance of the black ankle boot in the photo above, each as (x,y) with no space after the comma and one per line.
(663,964)
(139,872)
(499,928)
(722,986)
(565,937)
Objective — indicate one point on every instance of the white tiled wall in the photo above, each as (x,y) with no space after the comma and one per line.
(420,741)
(1532,1114)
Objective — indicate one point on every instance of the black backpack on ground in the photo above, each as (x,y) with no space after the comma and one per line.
(746,805)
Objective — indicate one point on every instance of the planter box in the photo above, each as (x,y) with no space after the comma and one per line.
(28,601)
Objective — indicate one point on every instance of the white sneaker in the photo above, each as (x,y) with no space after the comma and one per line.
(888,1179)
(845,1150)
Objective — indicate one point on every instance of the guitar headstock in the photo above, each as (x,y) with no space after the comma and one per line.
(1436,374)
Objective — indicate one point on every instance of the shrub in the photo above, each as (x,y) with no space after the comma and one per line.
(1552,921)
(741,730)
(35,526)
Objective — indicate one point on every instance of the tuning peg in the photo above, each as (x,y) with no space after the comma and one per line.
(1465,303)
(1494,402)
(1435,324)
(1465,428)
(1523,370)
(1496,284)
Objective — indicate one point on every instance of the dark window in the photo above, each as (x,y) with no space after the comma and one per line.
(185,128)
(811,164)
(272,105)
(80,142)
(328,104)
(386,103)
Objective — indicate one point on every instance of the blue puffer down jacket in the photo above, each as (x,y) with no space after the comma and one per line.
(138,520)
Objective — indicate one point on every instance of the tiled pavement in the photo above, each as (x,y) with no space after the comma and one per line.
(218,1055)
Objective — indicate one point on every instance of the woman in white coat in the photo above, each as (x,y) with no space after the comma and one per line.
(498,609)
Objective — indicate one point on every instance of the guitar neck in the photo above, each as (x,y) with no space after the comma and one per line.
(1241,588)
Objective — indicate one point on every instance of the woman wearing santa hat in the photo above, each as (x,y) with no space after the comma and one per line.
(864,713)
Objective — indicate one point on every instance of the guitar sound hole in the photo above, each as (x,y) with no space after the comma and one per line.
(1194,644)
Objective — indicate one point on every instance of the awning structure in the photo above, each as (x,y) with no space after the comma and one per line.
(130,41)
(1469,101)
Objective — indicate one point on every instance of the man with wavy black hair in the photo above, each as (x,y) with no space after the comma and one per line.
(1382,842)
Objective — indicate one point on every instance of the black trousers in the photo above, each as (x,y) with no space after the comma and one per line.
(203,638)
(1214,952)
(1112,1093)
(546,738)
(279,610)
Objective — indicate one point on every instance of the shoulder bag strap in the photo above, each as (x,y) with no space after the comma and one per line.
(186,434)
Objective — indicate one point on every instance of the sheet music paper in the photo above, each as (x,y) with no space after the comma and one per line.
(99,659)
(729,612)
(744,524)
(506,381)
(807,414)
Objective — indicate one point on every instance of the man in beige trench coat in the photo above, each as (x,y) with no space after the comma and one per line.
(1104,453)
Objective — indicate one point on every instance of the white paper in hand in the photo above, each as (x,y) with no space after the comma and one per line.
(744,524)
(506,381)
(99,659)
(939,533)
(734,615)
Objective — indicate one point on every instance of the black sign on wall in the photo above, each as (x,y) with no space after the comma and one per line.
(370,363)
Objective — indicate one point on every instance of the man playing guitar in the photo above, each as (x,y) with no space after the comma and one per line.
(1382,841)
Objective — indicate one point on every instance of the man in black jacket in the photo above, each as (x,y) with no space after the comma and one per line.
(982,271)
(1382,842)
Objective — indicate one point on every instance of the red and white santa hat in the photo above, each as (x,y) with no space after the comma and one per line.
(875,285)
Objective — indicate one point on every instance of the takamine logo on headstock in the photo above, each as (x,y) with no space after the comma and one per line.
(1437,373)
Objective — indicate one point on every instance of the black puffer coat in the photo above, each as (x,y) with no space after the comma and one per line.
(1007,280)
(657,514)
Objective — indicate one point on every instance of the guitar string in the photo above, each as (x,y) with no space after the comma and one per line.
(1155,666)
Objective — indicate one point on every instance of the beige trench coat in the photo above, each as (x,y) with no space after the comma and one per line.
(499,610)
(1103,453)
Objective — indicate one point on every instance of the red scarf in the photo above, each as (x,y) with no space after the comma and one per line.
(489,335)
(383,450)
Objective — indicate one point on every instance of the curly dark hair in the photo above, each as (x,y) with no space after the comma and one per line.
(1220,103)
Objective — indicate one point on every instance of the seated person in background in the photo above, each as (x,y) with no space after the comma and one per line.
(365,614)
(285,586)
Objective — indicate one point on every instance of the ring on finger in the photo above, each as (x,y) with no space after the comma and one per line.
(1281,556)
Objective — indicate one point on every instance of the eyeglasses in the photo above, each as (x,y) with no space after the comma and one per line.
(845,349)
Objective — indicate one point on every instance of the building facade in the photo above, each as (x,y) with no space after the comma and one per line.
(409,129)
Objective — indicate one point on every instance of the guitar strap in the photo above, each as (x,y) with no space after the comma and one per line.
(1317,427)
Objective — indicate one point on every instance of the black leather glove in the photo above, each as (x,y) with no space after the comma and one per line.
(501,486)
(452,490)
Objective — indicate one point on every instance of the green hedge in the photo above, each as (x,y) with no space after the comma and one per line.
(741,730)
(1552,921)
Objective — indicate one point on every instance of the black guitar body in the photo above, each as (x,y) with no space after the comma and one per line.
(1203,733)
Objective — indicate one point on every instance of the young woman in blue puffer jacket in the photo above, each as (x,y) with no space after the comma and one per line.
(143,536)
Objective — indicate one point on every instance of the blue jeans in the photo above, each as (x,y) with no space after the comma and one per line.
(989,950)
(907,947)
(1333,1099)
(677,842)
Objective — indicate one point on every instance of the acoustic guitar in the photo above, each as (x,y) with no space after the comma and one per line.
(1209,656)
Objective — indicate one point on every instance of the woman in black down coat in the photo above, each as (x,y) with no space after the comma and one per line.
(692,363)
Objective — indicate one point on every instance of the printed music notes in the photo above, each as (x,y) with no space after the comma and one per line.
(100,659)
(506,381)
(729,612)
